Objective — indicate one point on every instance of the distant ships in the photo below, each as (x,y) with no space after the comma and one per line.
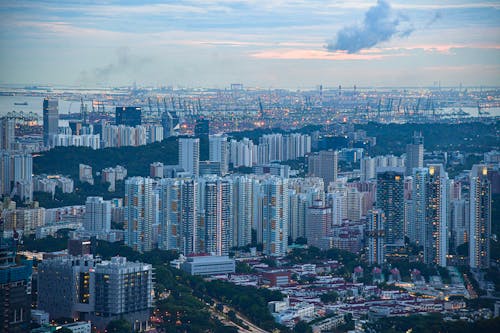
(23,103)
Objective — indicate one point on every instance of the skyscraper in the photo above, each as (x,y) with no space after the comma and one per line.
(170,196)
(318,225)
(216,196)
(436,230)
(376,237)
(459,222)
(15,288)
(324,164)
(275,215)
(219,152)
(97,215)
(415,153)
(480,217)
(367,168)
(50,120)
(7,132)
(139,213)
(243,210)
(189,216)
(16,174)
(416,226)
(390,199)
(189,155)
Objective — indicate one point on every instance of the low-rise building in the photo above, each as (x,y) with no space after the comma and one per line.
(209,265)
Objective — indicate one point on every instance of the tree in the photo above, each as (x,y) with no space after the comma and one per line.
(329,297)
(302,327)
(119,326)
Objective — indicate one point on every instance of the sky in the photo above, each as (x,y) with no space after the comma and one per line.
(267,44)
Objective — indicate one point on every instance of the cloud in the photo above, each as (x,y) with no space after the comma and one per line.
(379,25)
(304,54)
(437,16)
(125,64)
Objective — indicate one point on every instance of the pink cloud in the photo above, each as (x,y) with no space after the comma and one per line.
(320,55)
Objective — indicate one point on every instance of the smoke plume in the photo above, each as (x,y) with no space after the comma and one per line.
(379,25)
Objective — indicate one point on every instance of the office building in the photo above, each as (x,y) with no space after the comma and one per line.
(7,132)
(480,217)
(97,215)
(189,155)
(128,115)
(318,225)
(139,213)
(390,199)
(376,237)
(415,153)
(209,265)
(50,120)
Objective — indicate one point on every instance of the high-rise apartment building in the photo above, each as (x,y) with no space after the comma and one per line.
(459,222)
(50,120)
(416,226)
(274,195)
(216,216)
(7,133)
(480,217)
(219,152)
(390,199)
(415,153)
(189,216)
(97,215)
(139,213)
(243,210)
(170,196)
(368,167)
(189,155)
(16,174)
(436,221)
(376,237)
(318,225)
(324,164)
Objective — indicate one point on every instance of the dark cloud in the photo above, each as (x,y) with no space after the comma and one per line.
(379,25)
(126,63)
(437,16)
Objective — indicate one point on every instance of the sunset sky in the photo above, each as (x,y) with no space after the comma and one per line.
(267,44)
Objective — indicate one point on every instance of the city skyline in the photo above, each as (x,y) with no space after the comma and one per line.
(296,44)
